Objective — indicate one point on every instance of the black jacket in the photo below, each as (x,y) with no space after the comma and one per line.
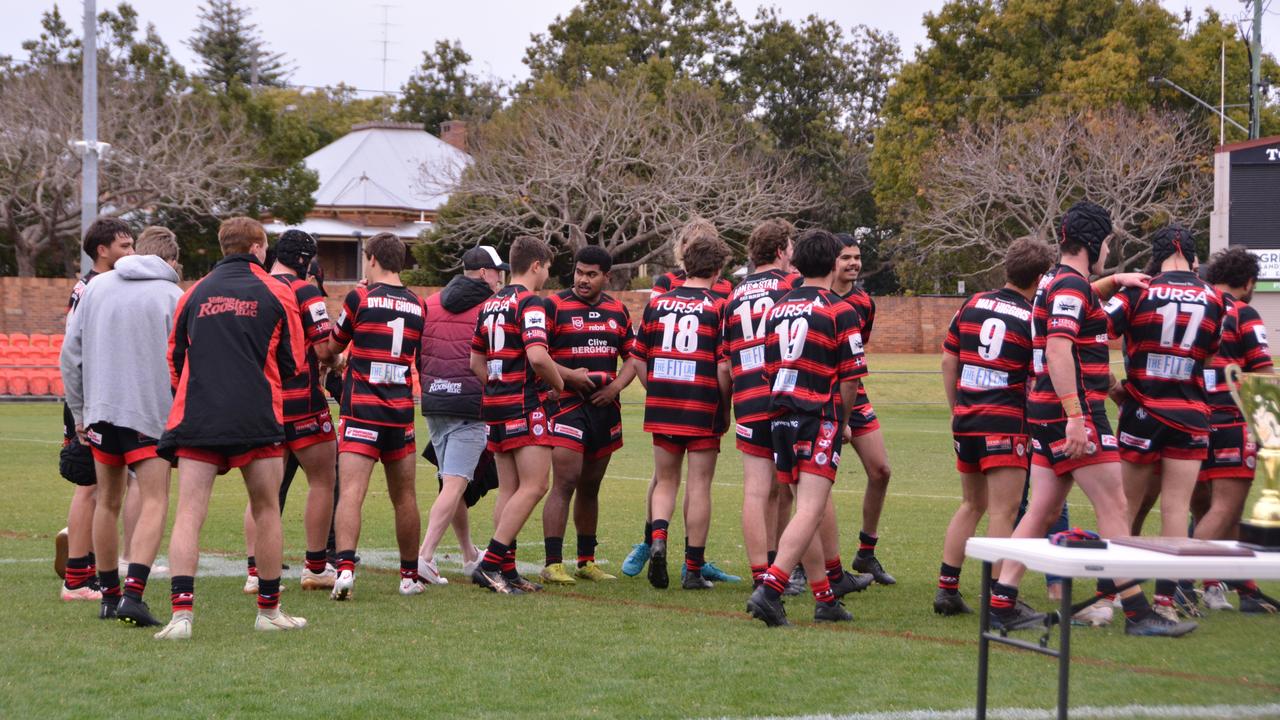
(236,335)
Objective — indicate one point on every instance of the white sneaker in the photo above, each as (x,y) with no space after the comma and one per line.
(343,585)
(179,627)
(251,585)
(272,620)
(1163,606)
(1098,614)
(469,568)
(409,586)
(322,580)
(429,572)
(1215,598)
(84,592)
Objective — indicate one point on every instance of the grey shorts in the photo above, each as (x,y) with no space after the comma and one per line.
(458,443)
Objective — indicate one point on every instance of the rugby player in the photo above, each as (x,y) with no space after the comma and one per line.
(1170,328)
(867,440)
(679,358)
(1071,438)
(451,399)
(636,559)
(106,241)
(1228,470)
(509,356)
(308,426)
(382,322)
(986,358)
(117,386)
(769,250)
(590,333)
(236,333)
(813,364)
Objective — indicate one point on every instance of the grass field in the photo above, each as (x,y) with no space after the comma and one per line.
(610,650)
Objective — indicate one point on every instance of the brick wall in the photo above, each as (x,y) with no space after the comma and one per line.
(903,324)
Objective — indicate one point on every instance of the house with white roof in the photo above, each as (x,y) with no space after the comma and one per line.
(370,182)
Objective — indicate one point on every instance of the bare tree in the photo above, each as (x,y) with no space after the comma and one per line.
(609,165)
(167,148)
(990,183)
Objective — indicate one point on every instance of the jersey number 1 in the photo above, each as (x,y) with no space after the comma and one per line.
(497,335)
(680,331)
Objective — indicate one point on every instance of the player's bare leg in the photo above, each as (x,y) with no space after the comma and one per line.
(567,465)
(319,462)
(150,483)
(586,517)
(106,533)
(1140,482)
(800,541)
(875,461)
(79,545)
(1222,520)
(129,517)
(697,516)
(447,509)
(508,482)
(1177,483)
(402,489)
(195,486)
(639,555)
(662,505)
(462,530)
(262,478)
(354,471)
(995,494)
(759,500)
(531,466)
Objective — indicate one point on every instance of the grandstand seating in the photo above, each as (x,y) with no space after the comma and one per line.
(29,365)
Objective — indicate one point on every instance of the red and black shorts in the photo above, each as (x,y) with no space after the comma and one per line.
(587,429)
(227,457)
(119,446)
(1232,454)
(1049,444)
(863,421)
(980,453)
(678,444)
(754,439)
(805,444)
(511,435)
(1144,439)
(310,430)
(387,443)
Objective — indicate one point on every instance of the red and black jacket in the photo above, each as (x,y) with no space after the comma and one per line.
(236,336)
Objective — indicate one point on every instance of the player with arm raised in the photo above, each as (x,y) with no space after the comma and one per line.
(679,357)
(986,358)
(1071,438)
(1170,328)
(381,322)
(509,355)
(813,363)
(590,333)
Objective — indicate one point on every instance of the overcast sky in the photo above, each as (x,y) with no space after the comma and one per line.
(333,41)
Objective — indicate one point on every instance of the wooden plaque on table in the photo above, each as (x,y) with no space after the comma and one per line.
(1183,546)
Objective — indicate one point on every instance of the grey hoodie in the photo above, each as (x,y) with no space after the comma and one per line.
(115,356)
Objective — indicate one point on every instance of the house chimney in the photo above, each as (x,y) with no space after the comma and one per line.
(454,132)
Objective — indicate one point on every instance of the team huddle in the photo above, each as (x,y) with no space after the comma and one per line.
(520,393)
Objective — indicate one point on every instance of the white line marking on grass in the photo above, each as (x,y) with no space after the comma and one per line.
(31,440)
(1087,711)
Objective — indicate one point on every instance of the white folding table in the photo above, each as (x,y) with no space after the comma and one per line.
(1115,561)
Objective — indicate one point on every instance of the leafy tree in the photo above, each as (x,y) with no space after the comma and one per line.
(443,89)
(232,51)
(606,39)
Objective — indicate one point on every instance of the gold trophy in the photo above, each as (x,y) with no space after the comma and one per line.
(1258,395)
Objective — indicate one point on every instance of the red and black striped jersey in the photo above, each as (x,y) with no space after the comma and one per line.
(303,396)
(991,336)
(866,307)
(676,278)
(594,337)
(1170,329)
(1244,342)
(679,342)
(510,322)
(383,324)
(813,343)
(1067,306)
(744,338)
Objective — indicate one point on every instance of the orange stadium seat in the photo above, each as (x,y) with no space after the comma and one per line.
(4,341)
(57,385)
(18,384)
(57,342)
(40,341)
(38,382)
(19,341)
